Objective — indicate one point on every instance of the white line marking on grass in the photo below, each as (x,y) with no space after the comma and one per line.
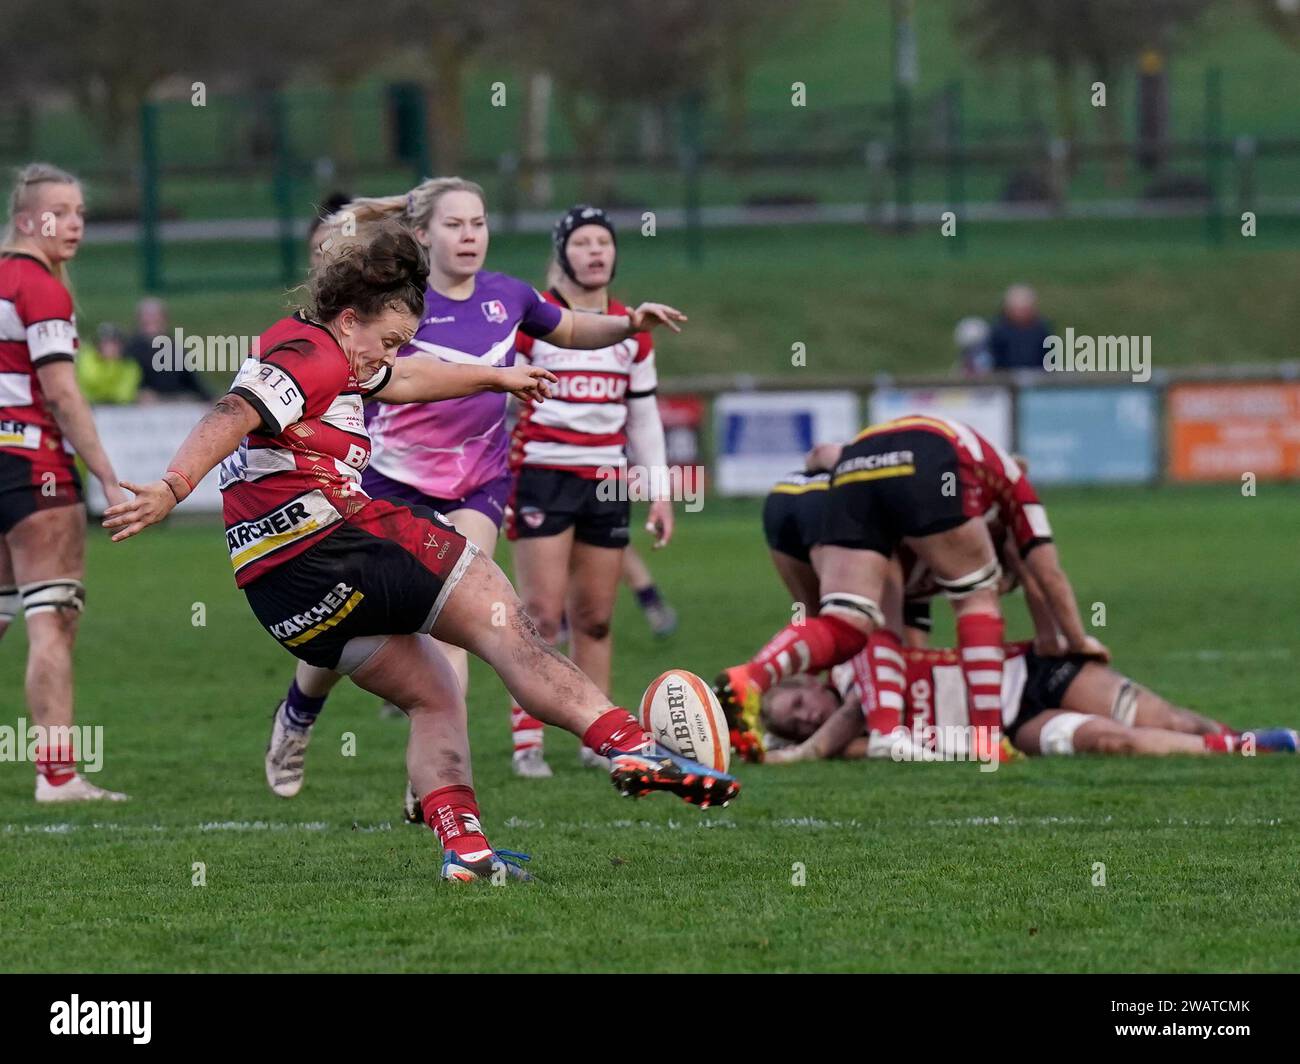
(1015,822)
(1256,654)
(1094,822)
(67,829)
(815,823)
(703,824)
(225,825)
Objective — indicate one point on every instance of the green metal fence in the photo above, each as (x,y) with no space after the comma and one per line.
(249,168)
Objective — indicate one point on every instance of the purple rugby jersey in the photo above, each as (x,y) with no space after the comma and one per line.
(450,448)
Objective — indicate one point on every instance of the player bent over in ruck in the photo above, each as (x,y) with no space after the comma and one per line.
(356,584)
(931,486)
(793,515)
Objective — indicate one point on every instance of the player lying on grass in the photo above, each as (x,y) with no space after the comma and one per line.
(939,490)
(1058,704)
(359,585)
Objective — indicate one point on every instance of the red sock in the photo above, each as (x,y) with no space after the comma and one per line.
(979,637)
(883,661)
(56,764)
(816,644)
(525,729)
(615,729)
(865,680)
(1220,744)
(452,812)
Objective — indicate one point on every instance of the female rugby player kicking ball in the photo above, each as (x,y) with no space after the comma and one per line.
(449,456)
(356,584)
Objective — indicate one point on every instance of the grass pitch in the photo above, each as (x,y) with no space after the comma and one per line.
(908,867)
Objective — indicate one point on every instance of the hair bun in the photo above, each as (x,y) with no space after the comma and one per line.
(393,258)
(384,264)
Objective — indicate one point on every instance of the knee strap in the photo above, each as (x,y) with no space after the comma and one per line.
(1124,708)
(984,577)
(1057,736)
(853,606)
(9,603)
(50,595)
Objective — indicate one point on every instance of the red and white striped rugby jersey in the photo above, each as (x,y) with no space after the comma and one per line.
(295,478)
(582,427)
(934,691)
(37,327)
(993,486)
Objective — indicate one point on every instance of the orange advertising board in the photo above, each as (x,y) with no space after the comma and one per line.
(1220,431)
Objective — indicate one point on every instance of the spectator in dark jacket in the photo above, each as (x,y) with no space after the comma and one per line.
(1018,335)
(172,380)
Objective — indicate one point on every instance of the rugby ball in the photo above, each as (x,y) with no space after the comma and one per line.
(683,714)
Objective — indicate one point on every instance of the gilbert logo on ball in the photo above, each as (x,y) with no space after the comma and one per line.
(682,713)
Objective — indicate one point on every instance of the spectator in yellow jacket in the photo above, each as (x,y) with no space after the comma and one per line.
(104,375)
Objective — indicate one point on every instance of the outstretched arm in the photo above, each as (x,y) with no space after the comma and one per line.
(210,441)
(424,379)
(591,331)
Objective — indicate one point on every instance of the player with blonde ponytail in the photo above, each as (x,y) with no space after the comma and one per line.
(44,420)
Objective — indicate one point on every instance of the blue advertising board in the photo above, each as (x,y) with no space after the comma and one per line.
(1099,435)
(761,436)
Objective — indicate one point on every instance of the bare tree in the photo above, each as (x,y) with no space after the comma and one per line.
(1098,36)
(610,55)
(344,47)
(743,30)
(108,54)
